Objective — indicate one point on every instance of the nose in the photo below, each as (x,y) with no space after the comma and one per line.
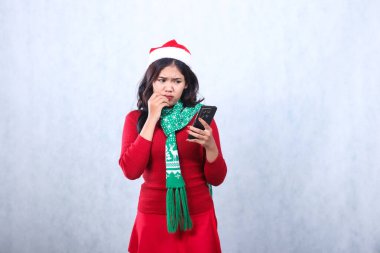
(169,87)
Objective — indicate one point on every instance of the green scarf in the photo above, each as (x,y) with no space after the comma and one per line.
(177,212)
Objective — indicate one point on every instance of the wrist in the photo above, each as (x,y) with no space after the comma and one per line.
(212,154)
(151,119)
(212,147)
(148,128)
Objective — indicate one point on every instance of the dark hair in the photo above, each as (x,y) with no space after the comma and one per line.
(189,95)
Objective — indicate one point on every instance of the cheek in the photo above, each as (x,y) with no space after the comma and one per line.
(156,88)
(179,94)
(180,89)
(183,90)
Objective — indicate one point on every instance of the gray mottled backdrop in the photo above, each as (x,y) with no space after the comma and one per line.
(297,85)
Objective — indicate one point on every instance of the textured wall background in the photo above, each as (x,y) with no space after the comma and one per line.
(297,86)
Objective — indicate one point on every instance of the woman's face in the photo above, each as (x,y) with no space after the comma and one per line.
(170,83)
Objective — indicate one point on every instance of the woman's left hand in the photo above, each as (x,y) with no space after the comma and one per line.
(206,139)
(203,137)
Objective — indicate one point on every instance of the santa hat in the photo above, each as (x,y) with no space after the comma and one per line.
(170,49)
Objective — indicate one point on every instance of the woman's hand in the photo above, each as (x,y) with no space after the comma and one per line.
(204,138)
(155,104)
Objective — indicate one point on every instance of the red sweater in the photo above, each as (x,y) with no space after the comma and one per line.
(142,157)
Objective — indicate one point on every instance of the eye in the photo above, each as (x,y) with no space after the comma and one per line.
(161,80)
(178,82)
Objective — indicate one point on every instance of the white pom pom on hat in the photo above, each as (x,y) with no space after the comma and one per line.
(170,49)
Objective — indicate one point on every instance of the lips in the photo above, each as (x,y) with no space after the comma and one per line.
(169,97)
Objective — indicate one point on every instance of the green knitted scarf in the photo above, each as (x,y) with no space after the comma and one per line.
(177,212)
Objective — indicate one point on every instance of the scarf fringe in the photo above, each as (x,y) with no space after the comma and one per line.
(177,211)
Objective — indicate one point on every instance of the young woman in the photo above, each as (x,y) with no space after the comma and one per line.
(175,209)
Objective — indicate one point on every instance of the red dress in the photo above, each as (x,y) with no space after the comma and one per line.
(142,157)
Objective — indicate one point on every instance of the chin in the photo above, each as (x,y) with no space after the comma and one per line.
(173,102)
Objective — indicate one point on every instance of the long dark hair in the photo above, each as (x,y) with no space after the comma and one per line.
(189,95)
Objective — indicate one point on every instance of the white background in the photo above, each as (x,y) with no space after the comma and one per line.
(297,89)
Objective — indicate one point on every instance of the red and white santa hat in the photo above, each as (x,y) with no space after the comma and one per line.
(170,49)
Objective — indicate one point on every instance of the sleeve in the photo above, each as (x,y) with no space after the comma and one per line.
(215,171)
(135,150)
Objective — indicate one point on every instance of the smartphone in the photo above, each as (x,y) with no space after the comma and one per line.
(207,113)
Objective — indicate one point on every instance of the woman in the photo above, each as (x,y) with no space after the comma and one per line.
(175,209)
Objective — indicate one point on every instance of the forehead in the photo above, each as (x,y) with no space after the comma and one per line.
(171,72)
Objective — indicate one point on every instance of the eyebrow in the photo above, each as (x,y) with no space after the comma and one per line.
(175,78)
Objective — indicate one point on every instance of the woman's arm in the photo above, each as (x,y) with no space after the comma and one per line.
(135,149)
(215,168)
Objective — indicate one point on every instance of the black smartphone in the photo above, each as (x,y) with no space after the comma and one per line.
(207,113)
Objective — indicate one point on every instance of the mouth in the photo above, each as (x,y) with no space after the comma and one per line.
(169,97)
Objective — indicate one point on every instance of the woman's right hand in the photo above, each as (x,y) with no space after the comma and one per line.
(155,104)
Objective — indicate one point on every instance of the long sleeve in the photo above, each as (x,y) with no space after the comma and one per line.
(135,150)
(215,171)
